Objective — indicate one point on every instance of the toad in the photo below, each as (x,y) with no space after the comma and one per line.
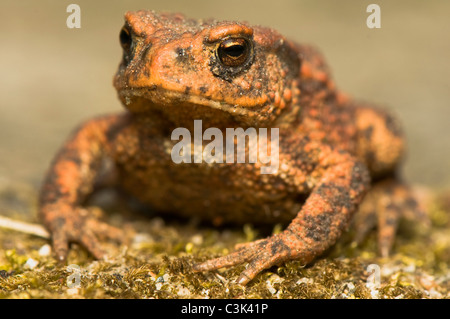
(335,156)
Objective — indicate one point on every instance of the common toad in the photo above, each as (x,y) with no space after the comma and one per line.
(332,150)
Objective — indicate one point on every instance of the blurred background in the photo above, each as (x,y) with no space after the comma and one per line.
(53,77)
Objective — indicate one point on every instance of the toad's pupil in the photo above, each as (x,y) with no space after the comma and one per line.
(234,50)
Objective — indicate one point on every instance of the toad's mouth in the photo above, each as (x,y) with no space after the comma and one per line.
(179,107)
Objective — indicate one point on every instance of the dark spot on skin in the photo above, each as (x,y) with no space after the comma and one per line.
(74,157)
(278,247)
(135,75)
(367,133)
(143,56)
(144,52)
(337,196)
(306,160)
(203,89)
(187,90)
(183,55)
(392,126)
(313,87)
(180,52)
(290,58)
(392,221)
(185,59)
(318,227)
(392,218)
(411,203)
(360,176)
(60,221)
(146,72)
(115,129)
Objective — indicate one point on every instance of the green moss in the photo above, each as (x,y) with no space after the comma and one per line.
(158,264)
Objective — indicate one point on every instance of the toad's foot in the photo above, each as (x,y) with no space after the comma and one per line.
(385,205)
(79,225)
(260,255)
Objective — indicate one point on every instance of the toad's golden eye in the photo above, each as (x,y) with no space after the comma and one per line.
(125,39)
(233,52)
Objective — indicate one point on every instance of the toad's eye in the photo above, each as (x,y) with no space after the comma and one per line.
(233,52)
(125,39)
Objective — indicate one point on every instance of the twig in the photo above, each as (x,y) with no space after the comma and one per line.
(28,228)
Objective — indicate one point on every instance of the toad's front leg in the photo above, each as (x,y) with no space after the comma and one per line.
(341,184)
(68,182)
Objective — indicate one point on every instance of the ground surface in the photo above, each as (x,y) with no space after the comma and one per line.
(54,77)
(156,262)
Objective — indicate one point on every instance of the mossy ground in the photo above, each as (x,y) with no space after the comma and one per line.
(156,263)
